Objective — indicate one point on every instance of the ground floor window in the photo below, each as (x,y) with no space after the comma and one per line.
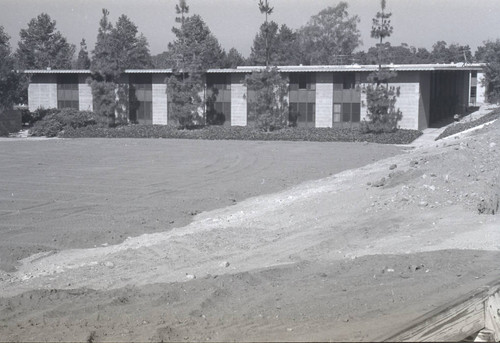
(67,91)
(141,99)
(219,99)
(302,99)
(346,98)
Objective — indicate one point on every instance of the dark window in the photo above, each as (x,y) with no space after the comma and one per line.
(302,98)
(219,99)
(346,98)
(141,99)
(473,92)
(67,91)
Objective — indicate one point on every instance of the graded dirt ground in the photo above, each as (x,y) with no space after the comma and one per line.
(248,241)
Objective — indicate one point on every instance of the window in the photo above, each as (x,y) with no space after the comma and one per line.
(67,91)
(219,99)
(141,99)
(302,99)
(346,98)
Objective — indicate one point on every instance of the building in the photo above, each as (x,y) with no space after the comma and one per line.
(319,96)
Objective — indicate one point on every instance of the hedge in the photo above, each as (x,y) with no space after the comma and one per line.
(459,127)
(242,133)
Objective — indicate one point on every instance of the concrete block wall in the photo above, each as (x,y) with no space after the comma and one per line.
(408,101)
(238,100)
(324,100)
(85,99)
(160,102)
(42,92)
(481,89)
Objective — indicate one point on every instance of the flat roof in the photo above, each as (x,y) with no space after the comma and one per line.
(291,69)
(86,71)
(355,67)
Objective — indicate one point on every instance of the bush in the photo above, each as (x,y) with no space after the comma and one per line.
(54,123)
(244,133)
(32,117)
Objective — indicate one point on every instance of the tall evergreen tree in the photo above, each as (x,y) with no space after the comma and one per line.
(117,48)
(380,97)
(266,9)
(83,60)
(42,46)
(234,59)
(10,81)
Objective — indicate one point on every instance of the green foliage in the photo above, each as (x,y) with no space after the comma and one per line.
(184,99)
(117,48)
(32,117)
(41,46)
(490,54)
(10,81)
(382,113)
(381,98)
(195,47)
(462,126)
(83,60)
(104,96)
(243,133)
(328,35)
(283,45)
(233,59)
(57,121)
(269,108)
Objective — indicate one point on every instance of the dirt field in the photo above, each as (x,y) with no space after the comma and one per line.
(240,240)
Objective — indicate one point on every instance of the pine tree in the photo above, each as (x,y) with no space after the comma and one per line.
(380,97)
(42,46)
(83,61)
(10,81)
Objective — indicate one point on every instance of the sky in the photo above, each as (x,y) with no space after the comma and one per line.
(235,23)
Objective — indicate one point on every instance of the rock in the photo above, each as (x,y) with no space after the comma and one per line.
(489,205)
(423,203)
(224,264)
(109,264)
(413,163)
(393,166)
(379,183)
(190,276)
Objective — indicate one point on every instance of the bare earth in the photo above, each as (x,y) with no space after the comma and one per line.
(140,240)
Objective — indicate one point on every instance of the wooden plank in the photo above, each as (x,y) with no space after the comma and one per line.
(485,335)
(452,322)
(492,315)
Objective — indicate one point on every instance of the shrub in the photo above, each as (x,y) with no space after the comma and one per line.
(32,117)
(383,116)
(54,123)
(244,133)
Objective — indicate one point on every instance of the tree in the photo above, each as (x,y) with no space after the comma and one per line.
(41,46)
(275,45)
(130,49)
(380,97)
(83,61)
(117,48)
(330,35)
(194,50)
(269,106)
(489,53)
(266,9)
(233,59)
(10,81)
(441,53)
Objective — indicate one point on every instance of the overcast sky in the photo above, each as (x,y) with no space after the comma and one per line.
(235,22)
